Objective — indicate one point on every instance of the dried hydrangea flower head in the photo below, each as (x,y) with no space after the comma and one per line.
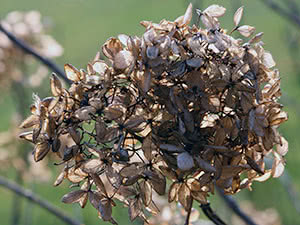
(28,27)
(191,105)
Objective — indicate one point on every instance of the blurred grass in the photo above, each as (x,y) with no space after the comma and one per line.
(82,26)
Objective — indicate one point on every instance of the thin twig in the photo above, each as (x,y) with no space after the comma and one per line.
(36,199)
(231,203)
(207,210)
(283,12)
(21,44)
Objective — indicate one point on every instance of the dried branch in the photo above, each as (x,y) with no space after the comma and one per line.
(36,199)
(207,210)
(235,208)
(21,44)
(290,15)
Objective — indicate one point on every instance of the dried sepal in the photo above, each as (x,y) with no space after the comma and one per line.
(72,73)
(56,86)
(30,121)
(135,207)
(238,16)
(41,149)
(123,59)
(185,197)
(73,196)
(246,30)
(215,11)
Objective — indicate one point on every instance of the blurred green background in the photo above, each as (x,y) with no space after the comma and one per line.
(82,26)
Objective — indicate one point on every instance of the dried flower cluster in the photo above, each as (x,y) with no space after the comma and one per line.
(191,105)
(28,27)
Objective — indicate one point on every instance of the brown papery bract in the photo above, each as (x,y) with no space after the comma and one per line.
(189,104)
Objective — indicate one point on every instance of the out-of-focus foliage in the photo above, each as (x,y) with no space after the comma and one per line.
(264,217)
(14,63)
